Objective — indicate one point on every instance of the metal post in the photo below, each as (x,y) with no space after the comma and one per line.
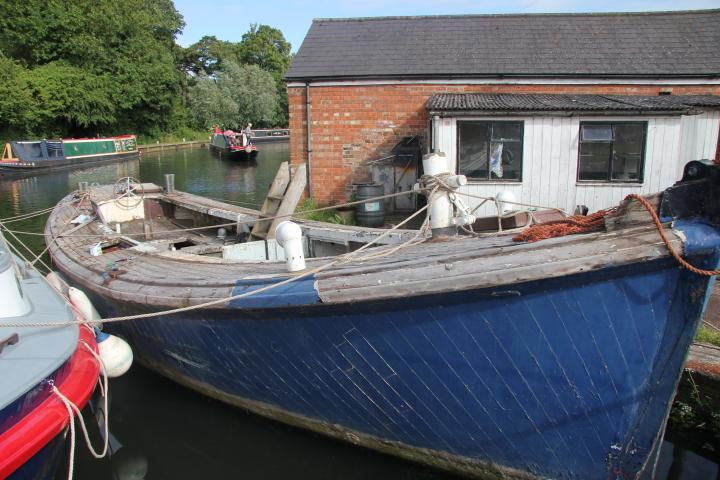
(169,183)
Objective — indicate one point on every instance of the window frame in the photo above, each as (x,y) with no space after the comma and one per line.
(489,178)
(609,177)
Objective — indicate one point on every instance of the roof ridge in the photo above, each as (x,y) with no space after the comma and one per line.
(490,15)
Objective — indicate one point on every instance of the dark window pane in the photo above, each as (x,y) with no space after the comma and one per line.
(473,149)
(629,138)
(596,133)
(480,158)
(626,167)
(503,132)
(505,160)
(594,158)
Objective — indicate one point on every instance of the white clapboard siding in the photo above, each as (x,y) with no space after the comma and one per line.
(550,153)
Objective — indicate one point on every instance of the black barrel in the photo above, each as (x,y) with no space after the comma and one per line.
(370,214)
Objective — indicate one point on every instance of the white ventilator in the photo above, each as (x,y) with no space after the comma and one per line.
(289,235)
(84,306)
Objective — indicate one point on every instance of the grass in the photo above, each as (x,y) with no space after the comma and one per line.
(708,335)
(329,216)
(177,136)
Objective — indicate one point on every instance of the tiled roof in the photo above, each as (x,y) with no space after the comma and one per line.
(615,44)
(500,102)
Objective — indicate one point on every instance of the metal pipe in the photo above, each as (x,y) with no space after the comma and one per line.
(169,183)
(309,142)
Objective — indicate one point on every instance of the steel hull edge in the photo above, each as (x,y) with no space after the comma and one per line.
(570,377)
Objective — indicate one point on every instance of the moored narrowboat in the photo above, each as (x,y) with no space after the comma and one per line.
(38,156)
(233,145)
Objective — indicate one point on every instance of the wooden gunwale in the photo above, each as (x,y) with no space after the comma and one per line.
(458,264)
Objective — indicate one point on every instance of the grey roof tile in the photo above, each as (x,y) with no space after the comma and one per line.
(502,102)
(625,44)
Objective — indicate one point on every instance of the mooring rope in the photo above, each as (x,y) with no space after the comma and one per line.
(73,410)
(219,225)
(340,259)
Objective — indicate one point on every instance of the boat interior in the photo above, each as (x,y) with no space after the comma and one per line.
(176,225)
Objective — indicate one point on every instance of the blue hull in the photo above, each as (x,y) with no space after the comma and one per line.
(564,378)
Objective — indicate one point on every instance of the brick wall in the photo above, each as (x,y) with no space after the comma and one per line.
(353,124)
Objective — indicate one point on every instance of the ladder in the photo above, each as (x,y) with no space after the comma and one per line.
(281,201)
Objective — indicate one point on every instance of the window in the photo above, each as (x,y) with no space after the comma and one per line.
(612,151)
(490,150)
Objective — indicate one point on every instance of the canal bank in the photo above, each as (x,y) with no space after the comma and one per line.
(176,433)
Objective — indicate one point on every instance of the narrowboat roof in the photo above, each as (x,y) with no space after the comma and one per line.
(656,44)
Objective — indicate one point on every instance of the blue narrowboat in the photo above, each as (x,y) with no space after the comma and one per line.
(472,353)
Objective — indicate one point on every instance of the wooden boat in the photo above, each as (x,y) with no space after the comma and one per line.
(233,146)
(480,355)
(39,156)
(33,419)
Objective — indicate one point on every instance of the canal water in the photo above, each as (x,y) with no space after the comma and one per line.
(160,430)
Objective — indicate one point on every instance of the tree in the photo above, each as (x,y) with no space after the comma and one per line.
(267,48)
(238,94)
(106,65)
(207,55)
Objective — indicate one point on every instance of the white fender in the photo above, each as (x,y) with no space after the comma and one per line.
(505,203)
(57,282)
(115,354)
(84,306)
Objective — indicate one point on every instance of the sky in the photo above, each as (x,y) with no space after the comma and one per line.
(229,19)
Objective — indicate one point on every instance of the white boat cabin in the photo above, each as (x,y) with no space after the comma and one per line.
(569,150)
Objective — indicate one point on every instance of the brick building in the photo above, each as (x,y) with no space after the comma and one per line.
(538,104)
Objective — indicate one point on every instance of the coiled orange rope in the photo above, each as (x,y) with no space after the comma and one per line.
(596,222)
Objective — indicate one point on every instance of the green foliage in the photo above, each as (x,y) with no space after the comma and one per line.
(109,66)
(267,48)
(708,335)
(76,68)
(328,216)
(236,95)
(176,136)
(262,46)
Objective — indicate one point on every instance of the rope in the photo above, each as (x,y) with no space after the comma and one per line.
(26,216)
(229,224)
(73,409)
(68,403)
(667,243)
(596,222)
(341,259)
(568,226)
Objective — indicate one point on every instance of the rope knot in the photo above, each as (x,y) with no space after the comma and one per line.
(431,183)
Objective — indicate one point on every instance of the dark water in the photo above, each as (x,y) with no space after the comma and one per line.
(160,430)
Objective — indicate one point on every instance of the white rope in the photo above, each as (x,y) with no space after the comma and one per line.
(341,259)
(26,216)
(73,409)
(68,403)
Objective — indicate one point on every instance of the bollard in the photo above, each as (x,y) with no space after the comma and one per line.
(82,187)
(169,183)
